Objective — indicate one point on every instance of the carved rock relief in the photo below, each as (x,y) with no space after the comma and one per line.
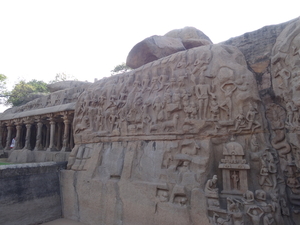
(285,71)
(189,92)
(192,121)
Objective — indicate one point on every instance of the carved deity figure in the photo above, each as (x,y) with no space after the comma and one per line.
(235,180)
(203,91)
(228,88)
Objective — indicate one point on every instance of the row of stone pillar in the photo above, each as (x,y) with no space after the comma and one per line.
(49,121)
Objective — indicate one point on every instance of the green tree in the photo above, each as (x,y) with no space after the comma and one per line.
(24,92)
(3,90)
(121,68)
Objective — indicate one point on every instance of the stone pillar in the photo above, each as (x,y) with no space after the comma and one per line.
(66,139)
(18,136)
(28,135)
(47,136)
(38,136)
(8,139)
(59,134)
(71,138)
(52,134)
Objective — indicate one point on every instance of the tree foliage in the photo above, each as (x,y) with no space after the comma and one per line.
(3,90)
(121,68)
(24,92)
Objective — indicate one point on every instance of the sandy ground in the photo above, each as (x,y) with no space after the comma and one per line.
(63,222)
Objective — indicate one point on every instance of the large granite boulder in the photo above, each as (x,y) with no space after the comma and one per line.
(151,49)
(156,47)
(190,37)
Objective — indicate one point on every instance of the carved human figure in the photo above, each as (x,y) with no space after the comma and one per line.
(290,108)
(157,106)
(264,179)
(163,81)
(211,189)
(146,82)
(252,124)
(240,122)
(203,90)
(268,219)
(235,180)
(276,209)
(228,88)
(255,213)
(294,184)
(154,83)
(234,211)
(217,220)
(272,168)
(249,197)
(254,144)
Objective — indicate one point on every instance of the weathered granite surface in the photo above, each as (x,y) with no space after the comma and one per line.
(30,193)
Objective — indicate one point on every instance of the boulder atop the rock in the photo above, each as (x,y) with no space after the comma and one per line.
(156,47)
(151,49)
(190,37)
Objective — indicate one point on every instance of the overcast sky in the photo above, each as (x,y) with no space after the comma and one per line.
(86,39)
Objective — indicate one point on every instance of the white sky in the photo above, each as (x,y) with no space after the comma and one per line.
(87,38)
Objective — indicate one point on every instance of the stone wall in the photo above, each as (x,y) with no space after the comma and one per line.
(30,193)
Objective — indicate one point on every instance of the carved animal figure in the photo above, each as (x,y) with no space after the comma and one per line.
(171,123)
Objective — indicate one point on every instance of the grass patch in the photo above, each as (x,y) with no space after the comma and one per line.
(2,163)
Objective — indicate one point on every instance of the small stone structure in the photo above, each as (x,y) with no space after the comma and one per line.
(208,135)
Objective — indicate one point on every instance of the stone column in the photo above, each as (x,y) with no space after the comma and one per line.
(59,134)
(71,138)
(28,135)
(52,133)
(66,139)
(38,136)
(18,136)
(47,136)
(8,139)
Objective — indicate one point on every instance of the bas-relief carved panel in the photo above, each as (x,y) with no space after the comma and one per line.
(188,117)
(204,91)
